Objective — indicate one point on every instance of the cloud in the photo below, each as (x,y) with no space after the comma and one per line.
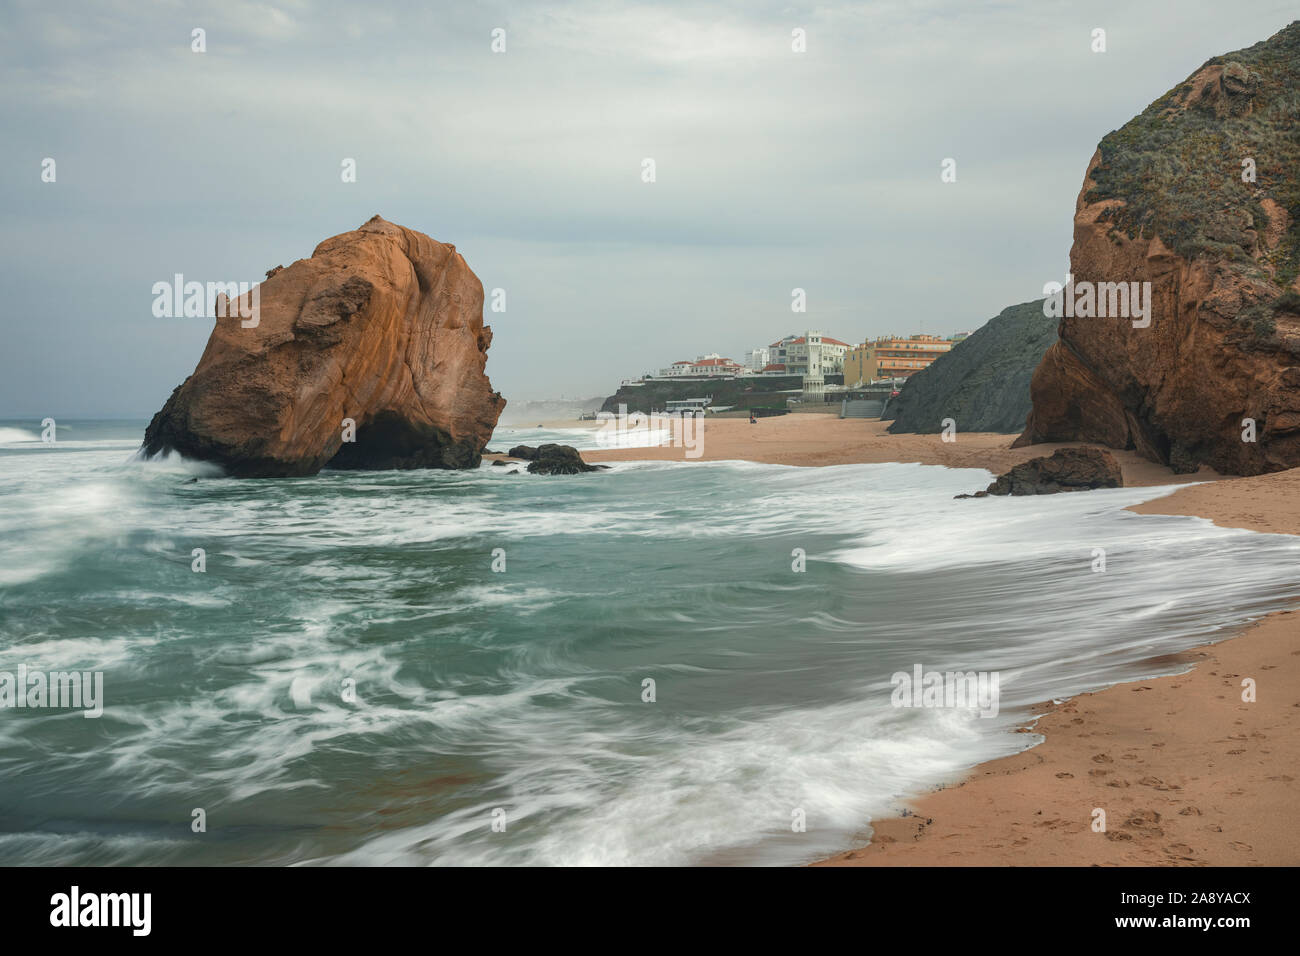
(775,168)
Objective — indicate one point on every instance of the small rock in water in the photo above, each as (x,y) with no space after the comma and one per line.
(1068,469)
(557,460)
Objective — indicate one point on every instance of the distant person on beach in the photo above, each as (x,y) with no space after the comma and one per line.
(753,420)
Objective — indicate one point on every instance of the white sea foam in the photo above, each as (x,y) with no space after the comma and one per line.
(11,436)
(521,690)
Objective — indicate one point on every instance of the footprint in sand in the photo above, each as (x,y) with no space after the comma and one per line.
(1102,758)
(1146,822)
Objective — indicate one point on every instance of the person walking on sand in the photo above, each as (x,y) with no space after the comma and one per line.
(753,420)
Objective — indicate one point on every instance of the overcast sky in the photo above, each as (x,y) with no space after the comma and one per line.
(774,169)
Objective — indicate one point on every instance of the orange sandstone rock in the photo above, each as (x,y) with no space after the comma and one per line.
(1215,377)
(382,326)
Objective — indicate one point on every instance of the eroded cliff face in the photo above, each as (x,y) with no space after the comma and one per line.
(1169,199)
(383,326)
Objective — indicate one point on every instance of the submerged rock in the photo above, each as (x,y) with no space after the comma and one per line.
(1067,469)
(382,326)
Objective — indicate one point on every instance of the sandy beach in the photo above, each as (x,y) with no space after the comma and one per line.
(1187,772)
(809,439)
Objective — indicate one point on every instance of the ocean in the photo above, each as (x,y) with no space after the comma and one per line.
(448,668)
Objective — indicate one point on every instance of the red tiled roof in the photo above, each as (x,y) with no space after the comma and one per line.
(774,367)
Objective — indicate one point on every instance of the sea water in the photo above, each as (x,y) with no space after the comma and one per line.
(664,663)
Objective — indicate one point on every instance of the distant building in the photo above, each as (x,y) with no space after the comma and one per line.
(693,405)
(706,366)
(815,354)
(892,356)
(755,359)
(676,369)
(958,336)
(792,352)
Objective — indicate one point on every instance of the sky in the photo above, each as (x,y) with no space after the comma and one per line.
(775,169)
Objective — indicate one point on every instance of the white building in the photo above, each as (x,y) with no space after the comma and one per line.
(757,359)
(792,352)
(712,365)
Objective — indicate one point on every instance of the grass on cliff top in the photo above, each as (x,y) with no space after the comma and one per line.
(1178,167)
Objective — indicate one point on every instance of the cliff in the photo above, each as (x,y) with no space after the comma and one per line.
(382,326)
(983,382)
(1200,197)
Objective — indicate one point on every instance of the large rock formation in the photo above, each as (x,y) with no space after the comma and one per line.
(383,326)
(1200,196)
(983,383)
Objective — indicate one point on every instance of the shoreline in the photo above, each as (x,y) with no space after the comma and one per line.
(812,440)
(1187,772)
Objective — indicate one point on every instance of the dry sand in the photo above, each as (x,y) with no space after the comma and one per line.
(829,440)
(1186,771)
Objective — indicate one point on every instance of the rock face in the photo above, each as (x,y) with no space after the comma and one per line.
(983,382)
(1067,469)
(383,326)
(1200,197)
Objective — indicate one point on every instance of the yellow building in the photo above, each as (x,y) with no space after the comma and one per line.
(892,356)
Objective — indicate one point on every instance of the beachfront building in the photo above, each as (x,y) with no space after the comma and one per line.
(892,356)
(690,406)
(757,359)
(717,366)
(793,350)
(706,366)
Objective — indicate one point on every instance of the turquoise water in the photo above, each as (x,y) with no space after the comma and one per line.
(520,691)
